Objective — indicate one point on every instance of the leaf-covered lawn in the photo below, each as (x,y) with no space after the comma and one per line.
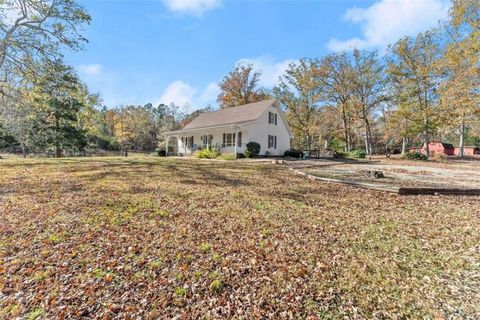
(157,238)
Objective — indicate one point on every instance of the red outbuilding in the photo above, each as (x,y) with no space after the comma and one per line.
(437,147)
(468,151)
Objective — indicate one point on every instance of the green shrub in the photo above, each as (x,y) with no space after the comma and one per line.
(336,145)
(207,153)
(293,154)
(253,148)
(227,156)
(415,156)
(357,154)
(339,155)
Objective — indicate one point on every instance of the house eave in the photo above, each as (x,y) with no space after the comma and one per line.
(185,131)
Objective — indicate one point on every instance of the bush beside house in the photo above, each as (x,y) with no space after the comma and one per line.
(253,149)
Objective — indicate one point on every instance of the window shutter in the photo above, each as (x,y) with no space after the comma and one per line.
(268,141)
(192,141)
(239,139)
(275,146)
(269,117)
(275,119)
(224,139)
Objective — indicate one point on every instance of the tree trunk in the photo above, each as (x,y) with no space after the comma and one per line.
(367,149)
(309,141)
(404,145)
(24,152)
(346,134)
(58,151)
(462,137)
(368,138)
(124,150)
(426,138)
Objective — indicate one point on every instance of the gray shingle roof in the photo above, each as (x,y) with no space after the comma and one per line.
(243,113)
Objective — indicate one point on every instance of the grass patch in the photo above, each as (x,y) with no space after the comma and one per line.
(36,313)
(86,233)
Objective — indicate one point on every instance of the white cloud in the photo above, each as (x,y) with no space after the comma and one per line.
(271,69)
(195,7)
(90,69)
(386,21)
(9,13)
(178,92)
(188,97)
(209,94)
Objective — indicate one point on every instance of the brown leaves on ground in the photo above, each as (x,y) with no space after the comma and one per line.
(157,238)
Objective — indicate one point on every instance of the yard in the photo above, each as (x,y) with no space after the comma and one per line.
(145,237)
(455,173)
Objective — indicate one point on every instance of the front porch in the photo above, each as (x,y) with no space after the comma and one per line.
(226,139)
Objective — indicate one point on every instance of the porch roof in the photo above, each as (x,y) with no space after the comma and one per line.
(228,117)
(203,129)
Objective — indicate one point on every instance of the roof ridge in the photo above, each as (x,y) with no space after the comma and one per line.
(219,117)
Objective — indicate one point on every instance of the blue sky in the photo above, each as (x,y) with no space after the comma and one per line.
(178,50)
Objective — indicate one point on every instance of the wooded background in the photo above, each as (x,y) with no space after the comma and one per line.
(423,88)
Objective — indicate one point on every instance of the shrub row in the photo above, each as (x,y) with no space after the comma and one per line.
(355,154)
(415,156)
(293,154)
(207,153)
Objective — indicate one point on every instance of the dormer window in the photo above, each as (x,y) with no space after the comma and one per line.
(272,118)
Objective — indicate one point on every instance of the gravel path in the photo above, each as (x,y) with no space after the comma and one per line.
(454,173)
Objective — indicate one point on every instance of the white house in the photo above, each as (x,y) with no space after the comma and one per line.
(231,129)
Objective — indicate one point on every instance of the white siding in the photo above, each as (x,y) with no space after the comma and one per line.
(217,140)
(257,131)
(260,129)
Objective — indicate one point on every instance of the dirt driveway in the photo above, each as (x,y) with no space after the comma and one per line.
(398,172)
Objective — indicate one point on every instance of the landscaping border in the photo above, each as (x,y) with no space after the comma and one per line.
(398,190)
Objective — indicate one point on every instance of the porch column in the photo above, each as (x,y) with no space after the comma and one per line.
(235,130)
(235,149)
(207,139)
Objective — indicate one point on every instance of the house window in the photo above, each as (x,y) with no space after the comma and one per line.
(189,141)
(272,142)
(272,118)
(239,142)
(207,139)
(228,139)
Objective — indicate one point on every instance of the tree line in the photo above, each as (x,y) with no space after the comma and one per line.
(44,106)
(422,88)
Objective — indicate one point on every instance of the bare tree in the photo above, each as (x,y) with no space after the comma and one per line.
(413,64)
(299,91)
(368,90)
(335,76)
(33,31)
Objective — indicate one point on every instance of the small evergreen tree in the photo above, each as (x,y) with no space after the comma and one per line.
(57,99)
